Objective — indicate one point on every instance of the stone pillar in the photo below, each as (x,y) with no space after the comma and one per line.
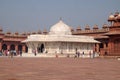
(93,47)
(97,47)
(67,47)
(104,45)
(36,46)
(8,47)
(29,50)
(23,48)
(111,47)
(16,47)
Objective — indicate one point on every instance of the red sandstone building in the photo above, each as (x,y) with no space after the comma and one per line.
(9,41)
(109,36)
(13,41)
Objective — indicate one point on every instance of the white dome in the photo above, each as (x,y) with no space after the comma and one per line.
(60,28)
(111,16)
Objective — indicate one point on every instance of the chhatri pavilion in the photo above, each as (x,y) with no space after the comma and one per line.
(60,41)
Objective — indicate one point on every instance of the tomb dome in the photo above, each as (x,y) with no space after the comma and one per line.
(60,28)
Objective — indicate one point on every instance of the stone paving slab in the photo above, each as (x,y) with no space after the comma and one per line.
(21,68)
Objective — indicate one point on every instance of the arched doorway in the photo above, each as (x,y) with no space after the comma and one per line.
(12,47)
(41,48)
(26,49)
(19,47)
(4,47)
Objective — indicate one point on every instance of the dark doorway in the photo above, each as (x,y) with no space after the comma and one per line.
(12,47)
(42,48)
(19,47)
(26,49)
(4,47)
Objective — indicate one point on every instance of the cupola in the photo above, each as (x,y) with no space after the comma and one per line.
(33,32)
(105,26)
(95,27)
(39,32)
(118,17)
(78,28)
(16,33)
(8,33)
(87,27)
(111,18)
(45,31)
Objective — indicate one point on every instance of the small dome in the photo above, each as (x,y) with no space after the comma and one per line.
(28,33)
(87,27)
(24,33)
(60,28)
(118,17)
(33,32)
(105,26)
(16,33)
(45,31)
(39,32)
(78,28)
(8,32)
(95,27)
(111,18)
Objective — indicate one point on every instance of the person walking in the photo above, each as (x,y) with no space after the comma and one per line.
(78,53)
(20,52)
(75,55)
(8,53)
(83,54)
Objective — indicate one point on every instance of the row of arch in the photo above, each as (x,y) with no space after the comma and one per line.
(12,47)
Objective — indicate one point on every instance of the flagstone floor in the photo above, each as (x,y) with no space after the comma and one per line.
(23,68)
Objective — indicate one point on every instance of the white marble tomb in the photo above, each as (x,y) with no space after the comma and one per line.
(60,41)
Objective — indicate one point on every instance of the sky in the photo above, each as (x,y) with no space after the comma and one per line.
(33,15)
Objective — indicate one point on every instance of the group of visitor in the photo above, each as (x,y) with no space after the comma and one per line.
(78,54)
(10,53)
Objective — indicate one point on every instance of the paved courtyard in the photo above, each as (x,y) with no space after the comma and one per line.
(28,68)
